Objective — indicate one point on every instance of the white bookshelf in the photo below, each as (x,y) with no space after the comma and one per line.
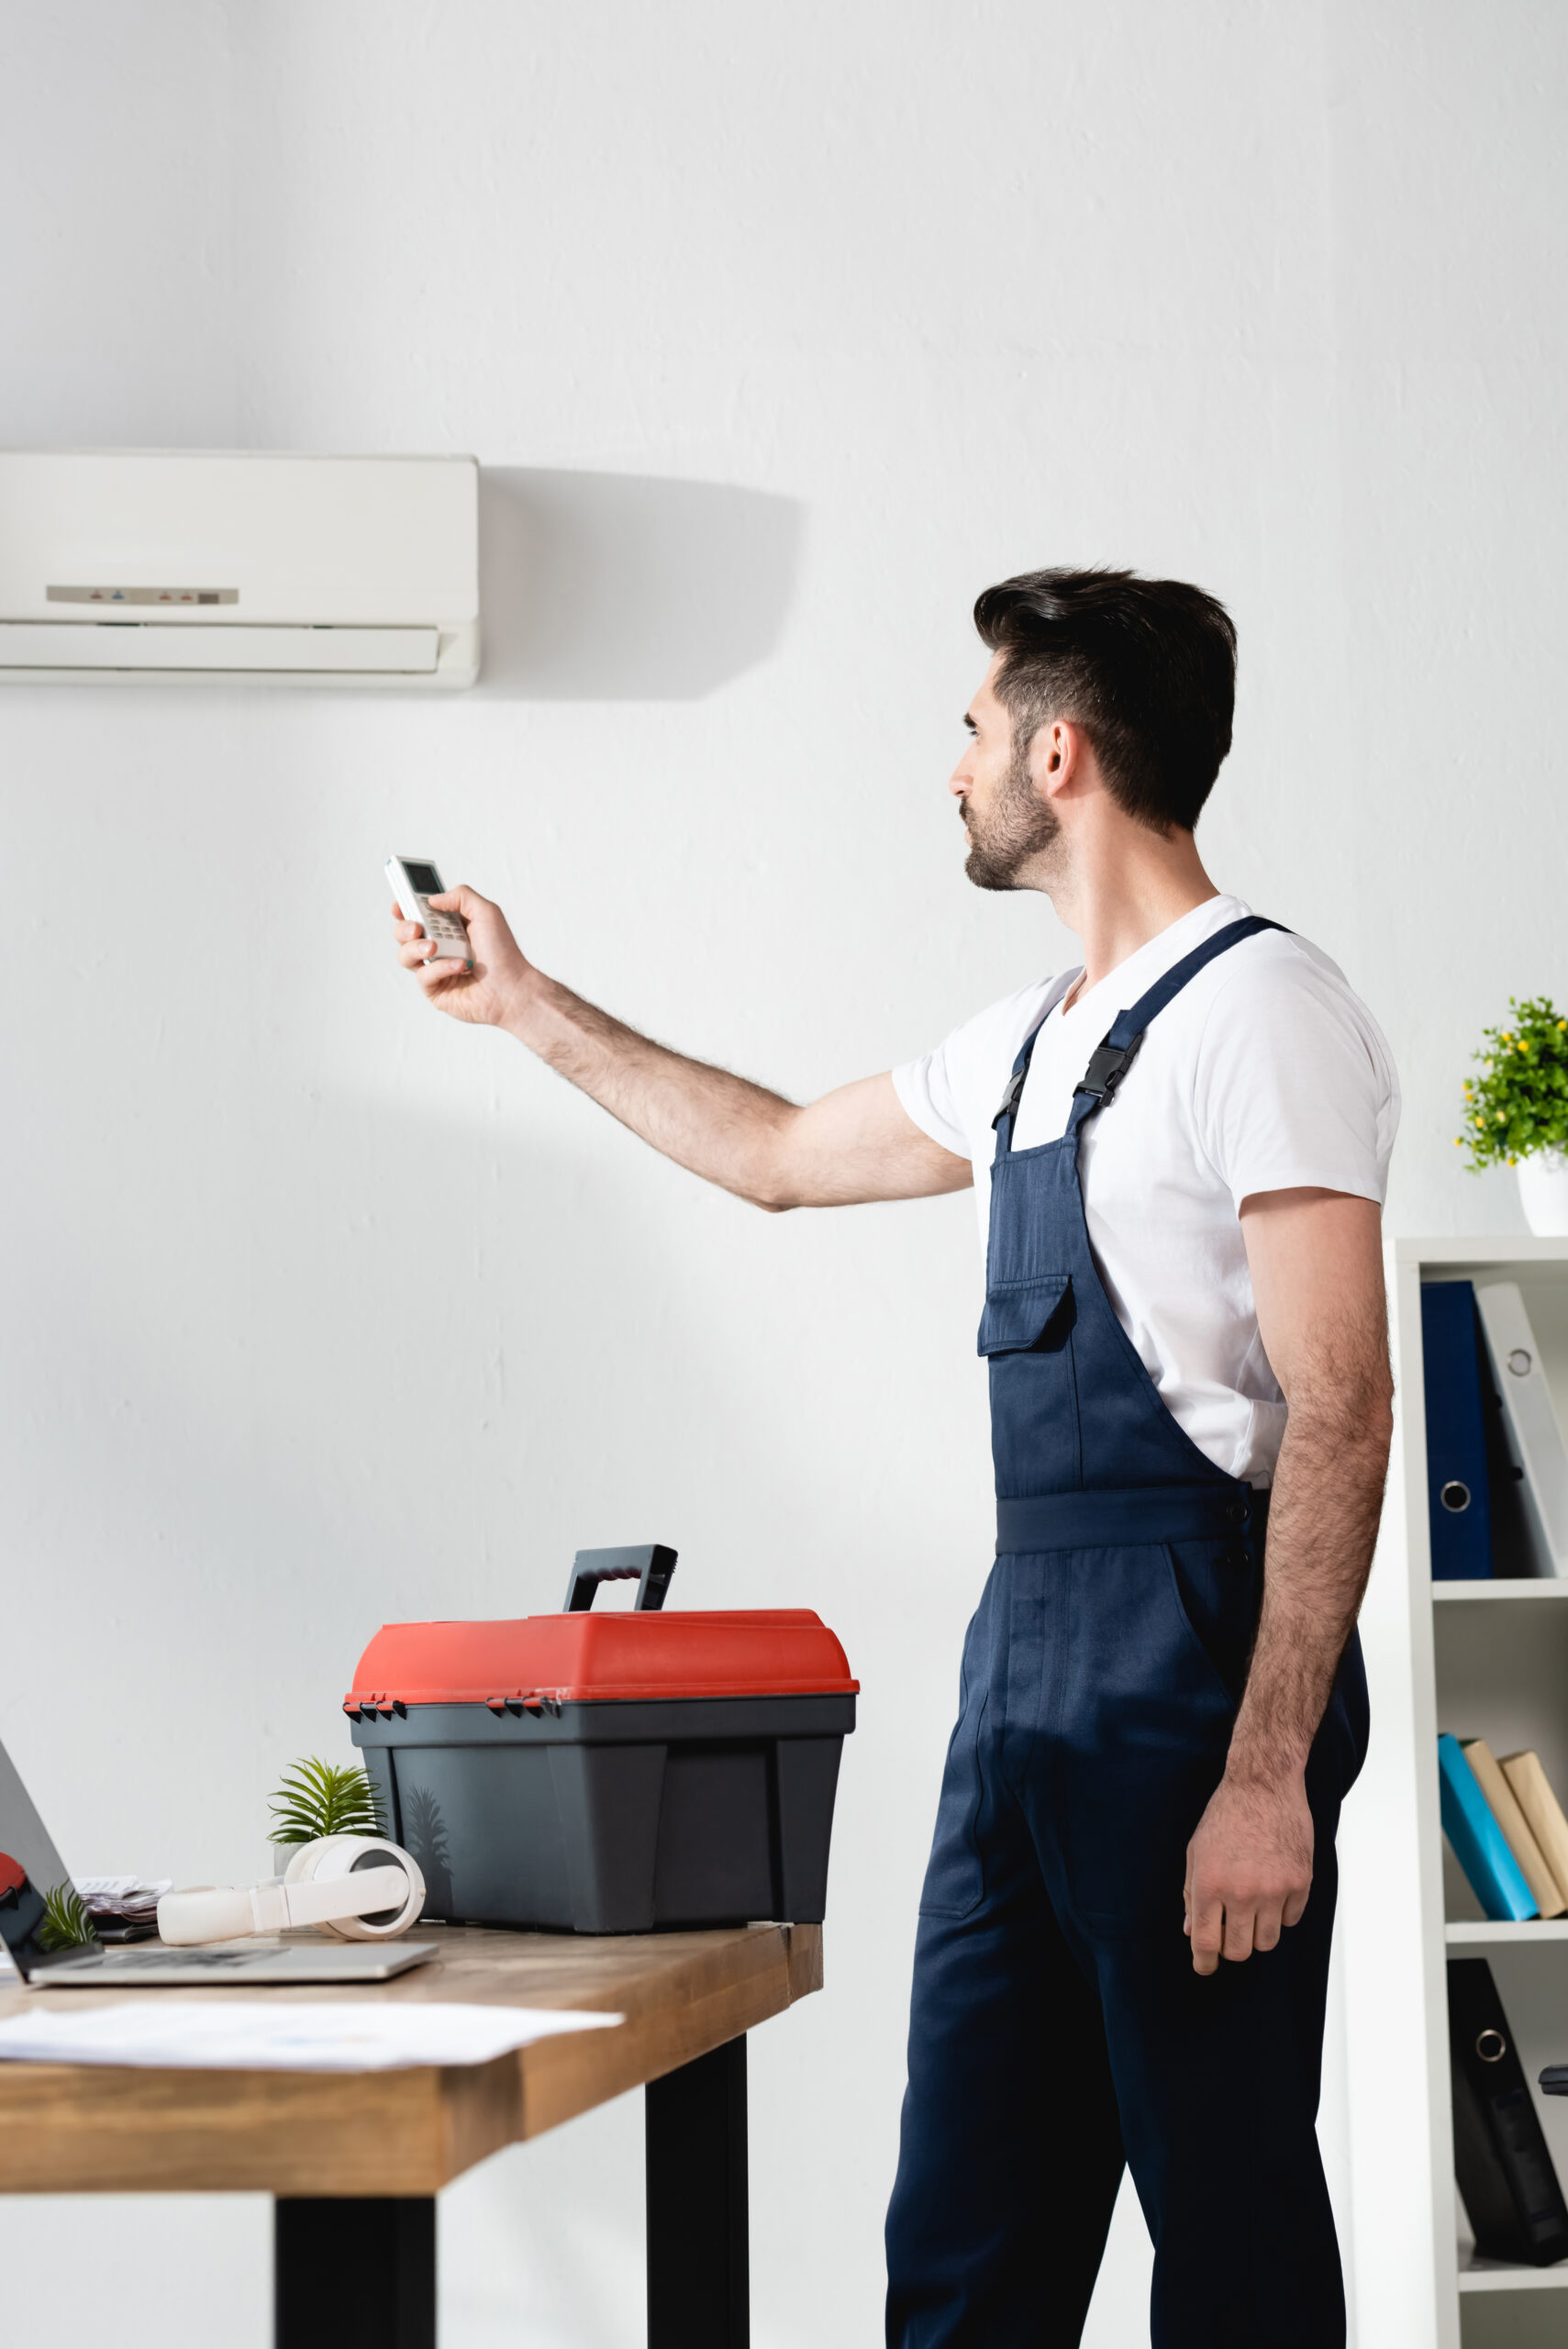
(1482,1659)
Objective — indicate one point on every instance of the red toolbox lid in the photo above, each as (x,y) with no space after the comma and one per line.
(584,1657)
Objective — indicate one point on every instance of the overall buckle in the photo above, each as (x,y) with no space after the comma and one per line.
(1009,1098)
(1108,1063)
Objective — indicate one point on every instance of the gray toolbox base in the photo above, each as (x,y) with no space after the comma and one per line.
(613,1816)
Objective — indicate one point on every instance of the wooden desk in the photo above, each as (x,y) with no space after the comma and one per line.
(356,2159)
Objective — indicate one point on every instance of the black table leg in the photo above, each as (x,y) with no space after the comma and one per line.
(698,2260)
(354,2270)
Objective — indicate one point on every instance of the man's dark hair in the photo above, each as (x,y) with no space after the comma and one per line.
(1147,667)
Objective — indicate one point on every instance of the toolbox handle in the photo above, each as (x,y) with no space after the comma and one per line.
(649,1565)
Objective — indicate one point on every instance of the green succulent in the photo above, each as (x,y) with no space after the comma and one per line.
(66,1923)
(1518,1103)
(318,1798)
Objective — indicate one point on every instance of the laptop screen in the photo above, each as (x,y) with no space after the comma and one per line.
(31,1871)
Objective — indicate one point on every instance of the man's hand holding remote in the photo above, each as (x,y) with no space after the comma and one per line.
(488,994)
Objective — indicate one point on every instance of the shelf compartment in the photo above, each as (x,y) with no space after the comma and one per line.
(1502,1676)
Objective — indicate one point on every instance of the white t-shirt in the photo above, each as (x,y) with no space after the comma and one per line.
(1265,1074)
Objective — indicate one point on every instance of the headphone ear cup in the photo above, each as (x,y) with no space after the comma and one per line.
(359,1852)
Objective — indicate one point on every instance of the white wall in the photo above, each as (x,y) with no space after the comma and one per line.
(787,328)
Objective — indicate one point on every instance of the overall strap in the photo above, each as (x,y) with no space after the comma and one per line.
(1015,1086)
(1111,1059)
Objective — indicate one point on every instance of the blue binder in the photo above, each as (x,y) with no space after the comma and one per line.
(1496,1877)
(1458,1492)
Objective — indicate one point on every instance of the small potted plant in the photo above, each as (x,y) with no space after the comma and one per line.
(1515,1110)
(318,1798)
(66,1923)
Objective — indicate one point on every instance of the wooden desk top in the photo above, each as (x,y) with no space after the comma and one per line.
(82,2128)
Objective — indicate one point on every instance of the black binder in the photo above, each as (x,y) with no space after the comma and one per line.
(1506,2175)
(1458,1482)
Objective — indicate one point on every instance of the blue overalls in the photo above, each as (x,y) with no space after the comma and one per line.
(1057,2028)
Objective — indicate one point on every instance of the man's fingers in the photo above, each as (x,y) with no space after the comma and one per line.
(1239,1922)
(1206,1924)
(462,901)
(1236,1929)
(1267,1925)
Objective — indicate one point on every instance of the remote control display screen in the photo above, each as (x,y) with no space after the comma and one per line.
(424,879)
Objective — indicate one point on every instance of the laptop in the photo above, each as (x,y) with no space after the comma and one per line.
(30,1868)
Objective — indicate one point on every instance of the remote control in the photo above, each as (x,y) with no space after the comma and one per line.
(415,881)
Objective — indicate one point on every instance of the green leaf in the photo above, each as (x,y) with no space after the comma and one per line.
(316,1798)
(66,1923)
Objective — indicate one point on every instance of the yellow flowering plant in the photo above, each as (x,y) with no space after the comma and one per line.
(1518,1103)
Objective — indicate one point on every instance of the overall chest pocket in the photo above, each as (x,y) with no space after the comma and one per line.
(1027,1317)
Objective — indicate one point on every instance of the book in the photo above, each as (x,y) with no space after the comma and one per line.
(1479,1844)
(1510,1814)
(1530,1424)
(1458,1485)
(1505,2173)
(1543,1813)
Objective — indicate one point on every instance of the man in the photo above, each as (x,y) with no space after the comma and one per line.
(1180,1151)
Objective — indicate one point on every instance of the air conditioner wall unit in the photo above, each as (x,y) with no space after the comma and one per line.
(118,565)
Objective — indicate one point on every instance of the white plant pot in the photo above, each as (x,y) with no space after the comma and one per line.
(1543,1193)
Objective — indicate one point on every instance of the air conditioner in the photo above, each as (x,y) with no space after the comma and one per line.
(175,566)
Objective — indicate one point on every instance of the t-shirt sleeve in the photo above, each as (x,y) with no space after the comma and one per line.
(926,1088)
(953,1093)
(1295,1085)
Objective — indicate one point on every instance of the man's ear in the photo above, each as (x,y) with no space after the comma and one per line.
(1061,758)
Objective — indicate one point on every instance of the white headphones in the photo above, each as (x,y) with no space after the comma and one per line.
(359,1887)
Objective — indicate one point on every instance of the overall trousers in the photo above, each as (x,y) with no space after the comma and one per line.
(1057,2028)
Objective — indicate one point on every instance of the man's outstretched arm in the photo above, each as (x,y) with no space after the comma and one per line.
(854,1145)
(1317,1266)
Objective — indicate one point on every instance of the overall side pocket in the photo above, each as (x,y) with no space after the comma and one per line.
(955,1874)
(1021,1315)
(1217,1587)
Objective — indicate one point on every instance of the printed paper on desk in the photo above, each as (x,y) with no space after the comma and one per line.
(267,2035)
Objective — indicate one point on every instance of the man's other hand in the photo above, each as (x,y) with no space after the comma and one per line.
(487,991)
(1248,1869)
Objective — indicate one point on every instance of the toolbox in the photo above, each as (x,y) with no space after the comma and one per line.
(610,1772)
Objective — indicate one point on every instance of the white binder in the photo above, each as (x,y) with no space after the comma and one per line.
(1529,1422)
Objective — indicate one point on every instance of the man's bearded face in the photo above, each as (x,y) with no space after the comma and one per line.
(1013,830)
